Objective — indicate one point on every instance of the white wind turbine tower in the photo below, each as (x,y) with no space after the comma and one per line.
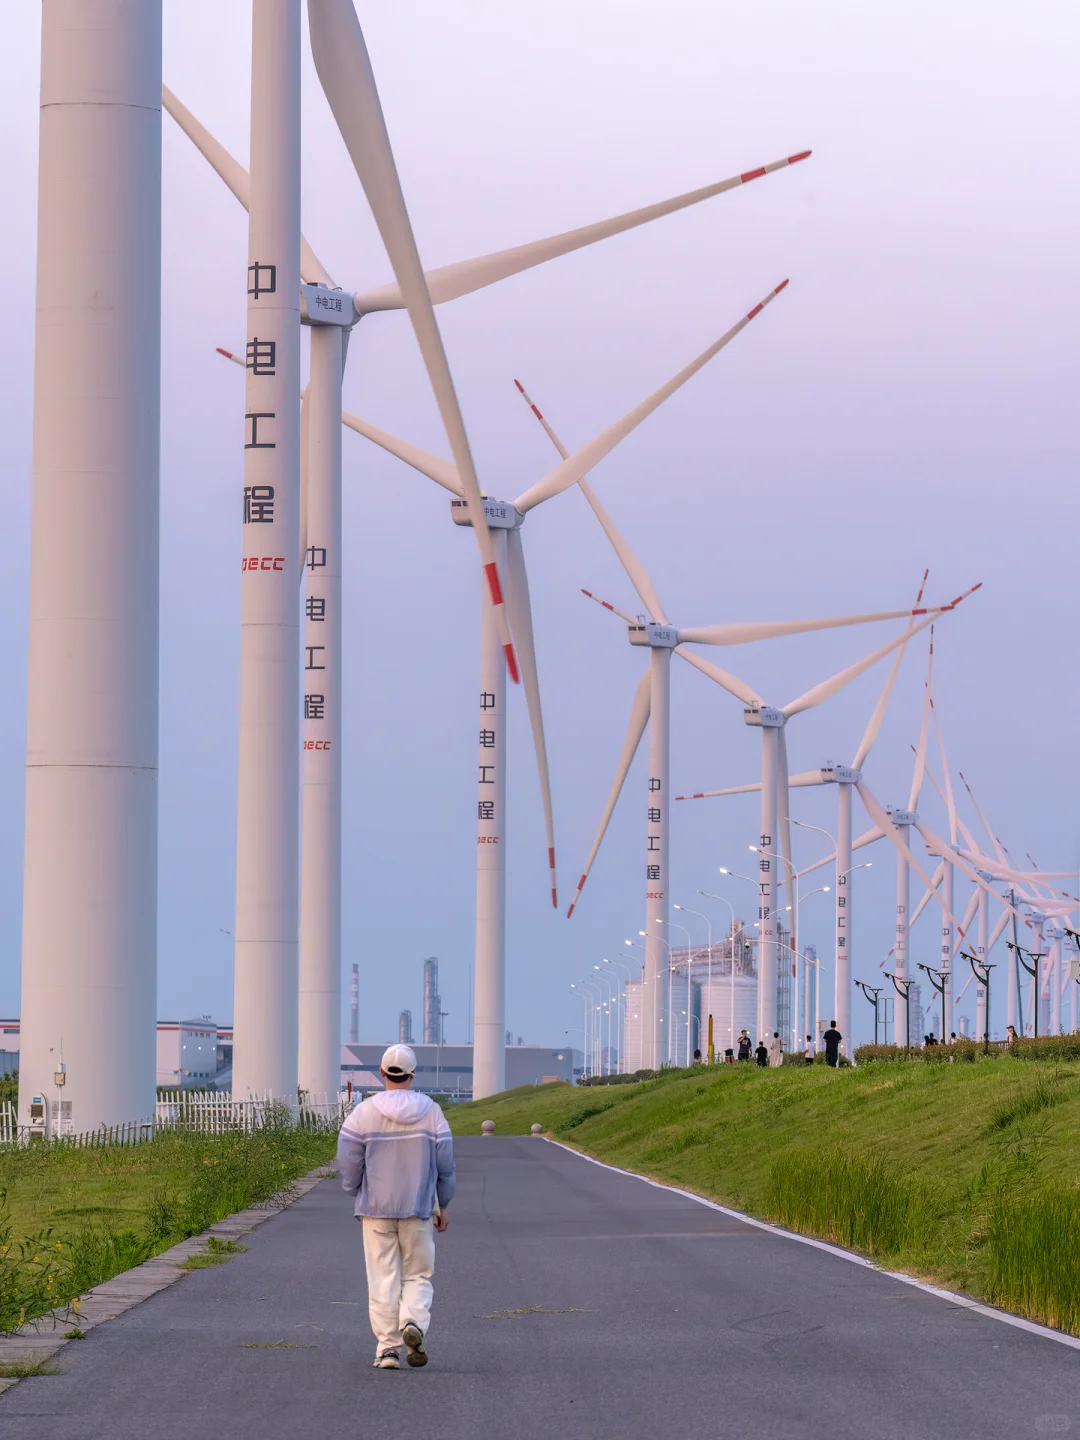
(332,314)
(506,519)
(267,842)
(89,947)
(844,778)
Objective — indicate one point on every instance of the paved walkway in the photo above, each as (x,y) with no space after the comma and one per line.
(571,1303)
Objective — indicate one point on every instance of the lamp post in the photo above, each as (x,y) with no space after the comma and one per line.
(905,994)
(981,970)
(606,979)
(871,992)
(1034,970)
(940,981)
(701,916)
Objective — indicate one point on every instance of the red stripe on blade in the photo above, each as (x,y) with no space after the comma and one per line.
(492,573)
(227,353)
(752,174)
(511,664)
(782,286)
(551,856)
(755,311)
(802,155)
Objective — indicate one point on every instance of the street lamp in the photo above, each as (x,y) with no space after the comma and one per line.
(871,992)
(621,1011)
(939,979)
(981,970)
(906,996)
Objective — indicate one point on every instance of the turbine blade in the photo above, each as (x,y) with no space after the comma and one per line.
(344,69)
(950,799)
(878,814)
(805,777)
(828,688)
(433,466)
(235,177)
(919,771)
(517,600)
(635,570)
(608,606)
(728,682)
(464,277)
(639,718)
(977,856)
(876,719)
(948,853)
(928,895)
(998,847)
(746,634)
(866,838)
(590,455)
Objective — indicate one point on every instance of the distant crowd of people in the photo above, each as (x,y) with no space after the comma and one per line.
(772,1054)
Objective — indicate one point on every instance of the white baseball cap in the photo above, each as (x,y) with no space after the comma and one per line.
(399,1061)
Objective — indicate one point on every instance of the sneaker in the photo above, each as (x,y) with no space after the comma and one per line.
(388,1360)
(415,1354)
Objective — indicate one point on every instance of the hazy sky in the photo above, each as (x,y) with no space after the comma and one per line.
(907,402)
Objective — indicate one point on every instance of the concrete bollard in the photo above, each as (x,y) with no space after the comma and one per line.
(487,1127)
(537,1129)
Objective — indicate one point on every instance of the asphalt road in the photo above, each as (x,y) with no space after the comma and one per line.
(572,1302)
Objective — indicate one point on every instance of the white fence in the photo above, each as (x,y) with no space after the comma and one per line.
(195,1112)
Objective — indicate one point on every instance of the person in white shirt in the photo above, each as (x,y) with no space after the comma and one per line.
(808,1053)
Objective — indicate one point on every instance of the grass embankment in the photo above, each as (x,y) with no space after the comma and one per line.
(71,1218)
(966,1174)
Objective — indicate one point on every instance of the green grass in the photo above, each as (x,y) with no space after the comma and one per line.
(24,1369)
(71,1218)
(964,1174)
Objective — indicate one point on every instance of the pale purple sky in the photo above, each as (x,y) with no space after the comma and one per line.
(907,402)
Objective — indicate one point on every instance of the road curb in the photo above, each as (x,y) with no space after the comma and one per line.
(42,1338)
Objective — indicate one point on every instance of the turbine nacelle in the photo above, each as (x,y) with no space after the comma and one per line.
(656,637)
(839,774)
(901,817)
(500,514)
(321,305)
(765,716)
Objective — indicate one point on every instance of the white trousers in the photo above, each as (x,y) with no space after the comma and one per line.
(399,1256)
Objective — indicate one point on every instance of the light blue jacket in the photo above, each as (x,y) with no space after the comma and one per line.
(396,1155)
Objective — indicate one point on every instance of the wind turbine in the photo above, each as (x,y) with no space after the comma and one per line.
(506,519)
(89,934)
(332,315)
(652,706)
(844,778)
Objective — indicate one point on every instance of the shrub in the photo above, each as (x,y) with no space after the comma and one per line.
(965,1051)
(1046,1047)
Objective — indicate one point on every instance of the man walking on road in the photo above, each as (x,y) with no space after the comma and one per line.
(396,1155)
(832,1038)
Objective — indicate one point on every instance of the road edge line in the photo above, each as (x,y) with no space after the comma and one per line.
(954,1297)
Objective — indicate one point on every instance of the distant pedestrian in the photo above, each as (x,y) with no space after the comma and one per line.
(931,1039)
(808,1053)
(745,1046)
(697,1057)
(832,1038)
(762,1055)
(776,1049)
(396,1155)
(952,1038)
(729,1057)
(1010,1035)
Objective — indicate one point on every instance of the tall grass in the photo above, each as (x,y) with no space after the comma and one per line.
(174,1186)
(855,1200)
(1032,1260)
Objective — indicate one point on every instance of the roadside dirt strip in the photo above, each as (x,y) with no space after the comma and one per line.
(40,1339)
